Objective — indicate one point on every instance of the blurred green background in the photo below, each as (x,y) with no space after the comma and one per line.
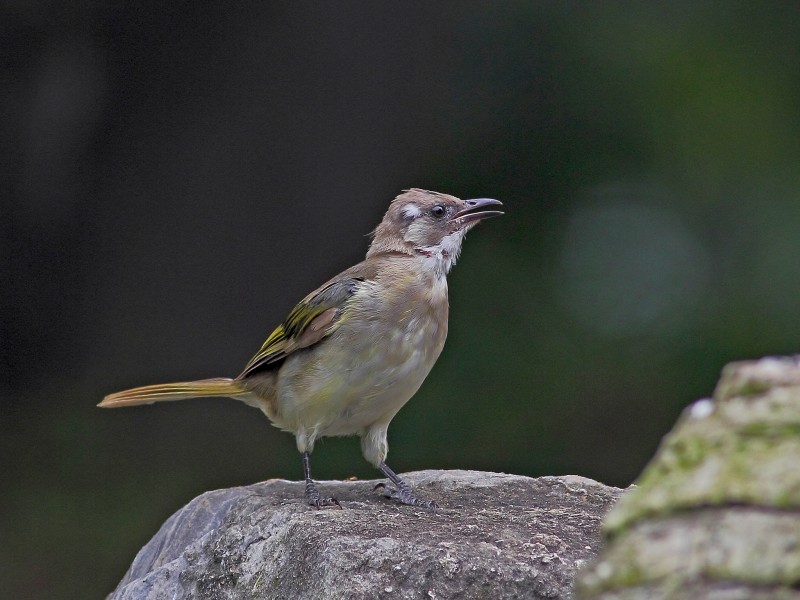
(177,175)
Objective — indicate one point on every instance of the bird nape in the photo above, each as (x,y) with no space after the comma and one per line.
(356,349)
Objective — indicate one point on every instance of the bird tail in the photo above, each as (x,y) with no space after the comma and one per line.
(148,394)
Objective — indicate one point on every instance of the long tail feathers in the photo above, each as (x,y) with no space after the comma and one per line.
(174,391)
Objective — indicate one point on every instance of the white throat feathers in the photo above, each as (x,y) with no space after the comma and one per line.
(445,253)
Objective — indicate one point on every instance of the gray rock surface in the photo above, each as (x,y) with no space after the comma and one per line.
(495,536)
(716,513)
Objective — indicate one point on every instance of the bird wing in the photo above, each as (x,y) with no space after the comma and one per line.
(309,322)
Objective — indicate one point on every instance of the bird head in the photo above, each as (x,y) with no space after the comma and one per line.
(420,222)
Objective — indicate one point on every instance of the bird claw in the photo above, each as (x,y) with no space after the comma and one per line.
(319,502)
(404,495)
(314,499)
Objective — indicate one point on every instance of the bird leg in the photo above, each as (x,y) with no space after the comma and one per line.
(402,492)
(312,493)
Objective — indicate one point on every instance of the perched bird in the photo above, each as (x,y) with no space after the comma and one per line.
(355,350)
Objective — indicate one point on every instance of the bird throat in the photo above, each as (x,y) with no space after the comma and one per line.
(444,254)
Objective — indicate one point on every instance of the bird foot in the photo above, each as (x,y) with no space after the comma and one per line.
(314,498)
(405,495)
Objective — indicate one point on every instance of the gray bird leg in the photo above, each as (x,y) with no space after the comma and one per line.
(402,492)
(312,493)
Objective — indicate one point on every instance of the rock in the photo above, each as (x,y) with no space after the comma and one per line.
(495,536)
(716,514)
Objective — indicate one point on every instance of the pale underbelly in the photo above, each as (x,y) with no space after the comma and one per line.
(341,388)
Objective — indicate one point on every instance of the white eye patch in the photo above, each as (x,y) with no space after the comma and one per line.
(411,211)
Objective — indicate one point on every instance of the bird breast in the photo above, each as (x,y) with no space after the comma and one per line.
(387,339)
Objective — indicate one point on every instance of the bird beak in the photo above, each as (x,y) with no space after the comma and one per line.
(472,212)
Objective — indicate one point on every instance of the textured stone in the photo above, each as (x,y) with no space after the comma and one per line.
(716,514)
(495,536)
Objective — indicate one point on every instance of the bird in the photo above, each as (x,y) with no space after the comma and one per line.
(351,353)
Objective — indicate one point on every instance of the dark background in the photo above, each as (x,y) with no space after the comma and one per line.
(176,175)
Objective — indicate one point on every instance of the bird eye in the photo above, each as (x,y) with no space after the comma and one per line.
(437,212)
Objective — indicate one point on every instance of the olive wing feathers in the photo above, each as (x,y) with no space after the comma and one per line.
(309,322)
